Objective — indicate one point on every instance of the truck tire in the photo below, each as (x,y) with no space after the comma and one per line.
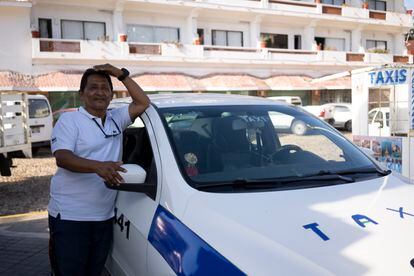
(4,166)
(348,126)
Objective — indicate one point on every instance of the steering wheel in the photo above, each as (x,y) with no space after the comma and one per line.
(285,149)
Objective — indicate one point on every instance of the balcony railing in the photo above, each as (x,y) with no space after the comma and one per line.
(86,51)
(316,9)
(59,46)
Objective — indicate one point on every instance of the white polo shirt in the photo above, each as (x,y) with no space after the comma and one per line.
(84,196)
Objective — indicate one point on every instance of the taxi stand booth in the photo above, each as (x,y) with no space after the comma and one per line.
(383,115)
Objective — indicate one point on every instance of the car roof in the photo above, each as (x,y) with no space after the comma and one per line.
(338,104)
(36,96)
(198,99)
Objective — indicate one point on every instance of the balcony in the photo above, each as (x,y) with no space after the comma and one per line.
(297,8)
(58,51)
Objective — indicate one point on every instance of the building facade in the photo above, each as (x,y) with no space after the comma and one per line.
(256,47)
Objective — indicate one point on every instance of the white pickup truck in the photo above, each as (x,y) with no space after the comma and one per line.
(14,128)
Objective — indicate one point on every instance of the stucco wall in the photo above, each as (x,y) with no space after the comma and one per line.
(15,39)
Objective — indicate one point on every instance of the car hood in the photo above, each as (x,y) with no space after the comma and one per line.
(365,228)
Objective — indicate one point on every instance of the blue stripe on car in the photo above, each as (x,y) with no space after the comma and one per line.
(184,251)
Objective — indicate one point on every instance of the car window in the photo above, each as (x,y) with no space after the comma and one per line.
(387,119)
(137,150)
(213,144)
(312,143)
(371,115)
(38,108)
(379,117)
(341,109)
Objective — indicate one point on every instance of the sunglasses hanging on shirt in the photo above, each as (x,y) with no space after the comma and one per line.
(108,135)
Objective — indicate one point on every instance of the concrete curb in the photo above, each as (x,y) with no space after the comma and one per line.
(23,217)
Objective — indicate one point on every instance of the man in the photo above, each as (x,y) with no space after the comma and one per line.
(87,145)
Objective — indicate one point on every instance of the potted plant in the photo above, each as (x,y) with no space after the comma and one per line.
(122,37)
(197,41)
(35,32)
(365,5)
(265,42)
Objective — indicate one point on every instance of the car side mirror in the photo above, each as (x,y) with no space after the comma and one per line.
(134,174)
(378,124)
(134,178)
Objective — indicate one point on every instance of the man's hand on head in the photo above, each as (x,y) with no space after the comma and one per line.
(110,69)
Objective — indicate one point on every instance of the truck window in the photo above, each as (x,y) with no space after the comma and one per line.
(38,108)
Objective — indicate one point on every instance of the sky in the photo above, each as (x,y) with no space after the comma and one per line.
(409,4)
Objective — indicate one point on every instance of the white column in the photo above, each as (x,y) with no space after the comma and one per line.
(190,32)
(118,24)
(399,45)
(356,41)
(265,4)
(255,32)
(309,38)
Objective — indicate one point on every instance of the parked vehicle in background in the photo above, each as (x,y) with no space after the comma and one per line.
(40,121)
(379,122)
(287,99)
(14,128)
(315,110)
(338,115)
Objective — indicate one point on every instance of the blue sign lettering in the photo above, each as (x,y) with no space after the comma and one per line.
(316,230)
(403,76)
(372,74)
(388,77)
(401,212)
(361,220)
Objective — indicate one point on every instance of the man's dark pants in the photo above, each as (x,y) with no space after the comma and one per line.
(79,247)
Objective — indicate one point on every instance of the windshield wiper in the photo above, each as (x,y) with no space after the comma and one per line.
(275,182)
(365,170)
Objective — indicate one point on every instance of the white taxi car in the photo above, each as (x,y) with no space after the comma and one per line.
(213,188)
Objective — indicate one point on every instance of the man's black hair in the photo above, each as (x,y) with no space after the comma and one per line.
(90,72)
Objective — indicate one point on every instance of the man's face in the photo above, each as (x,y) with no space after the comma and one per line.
(97,93)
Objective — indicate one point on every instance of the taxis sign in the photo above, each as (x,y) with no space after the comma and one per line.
(388,77)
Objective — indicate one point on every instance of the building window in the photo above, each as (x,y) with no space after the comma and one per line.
(330,44)
(333,2)
(298,42)
(200,33)
(279,41)
(72,29)
(152,34)
(377,5)
(45,27)
(377,46)
(228,38)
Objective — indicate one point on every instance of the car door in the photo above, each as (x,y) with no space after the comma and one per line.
(40,120)
(373,129)
(135,211)
(341,115)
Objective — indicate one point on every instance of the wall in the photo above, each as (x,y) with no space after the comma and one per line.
(335,33)
(152,19)
(15,45)
(291,32)
(224,26)
(366,35)
(59,12)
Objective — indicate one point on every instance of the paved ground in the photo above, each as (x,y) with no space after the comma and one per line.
(24,247)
